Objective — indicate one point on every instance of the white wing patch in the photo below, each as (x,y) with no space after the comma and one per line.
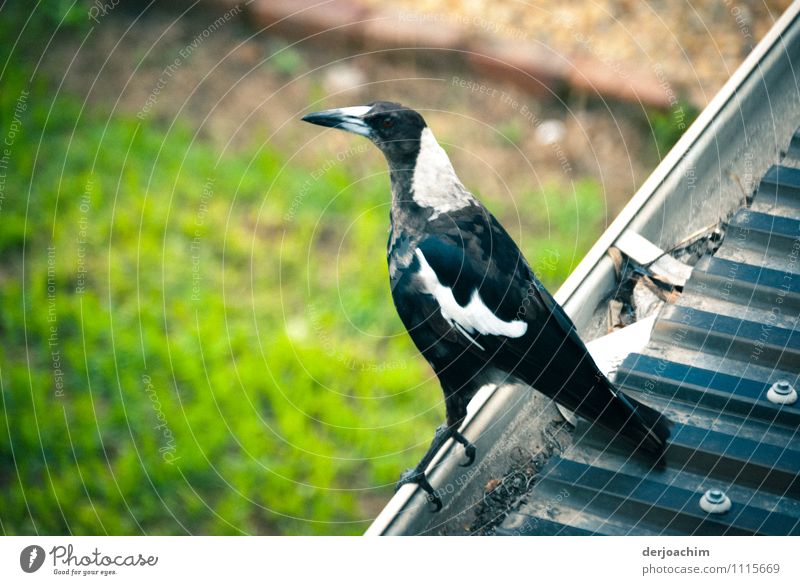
(475,317)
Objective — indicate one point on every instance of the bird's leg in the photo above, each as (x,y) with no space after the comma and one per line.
(469,448)
(417,474)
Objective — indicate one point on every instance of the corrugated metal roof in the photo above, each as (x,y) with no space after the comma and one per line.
(710,363)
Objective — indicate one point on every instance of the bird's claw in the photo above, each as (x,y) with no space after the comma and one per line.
(408,476)
(419,478)
(469,448)
(470,451)
(437,502)
(417,474)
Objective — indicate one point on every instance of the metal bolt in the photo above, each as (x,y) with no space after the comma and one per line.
(782,392)
(715,502)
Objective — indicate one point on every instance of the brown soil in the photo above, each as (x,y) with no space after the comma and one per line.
(237,85)
(694,46)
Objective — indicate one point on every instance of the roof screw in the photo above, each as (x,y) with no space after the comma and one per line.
(782,392)
(715,502)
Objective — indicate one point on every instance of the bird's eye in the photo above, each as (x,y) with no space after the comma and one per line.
(388,123)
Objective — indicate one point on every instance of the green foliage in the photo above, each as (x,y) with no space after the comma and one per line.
(205,345)
(27,27)
(511,131)
(668,126)
(196,395)
(285,60)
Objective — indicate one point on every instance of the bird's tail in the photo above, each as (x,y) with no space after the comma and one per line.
(643,427)
(647,428)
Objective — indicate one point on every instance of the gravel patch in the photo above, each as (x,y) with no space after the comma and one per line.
(692,48)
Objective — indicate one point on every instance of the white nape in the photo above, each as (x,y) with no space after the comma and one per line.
(435,184)
(475,317)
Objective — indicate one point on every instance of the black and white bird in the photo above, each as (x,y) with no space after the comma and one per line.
(469,299)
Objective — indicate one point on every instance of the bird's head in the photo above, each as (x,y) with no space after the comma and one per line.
(394,128)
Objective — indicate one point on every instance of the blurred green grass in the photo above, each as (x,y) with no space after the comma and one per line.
(223,328)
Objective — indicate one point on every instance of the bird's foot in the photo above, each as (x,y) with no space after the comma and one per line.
(418,477)
(443,432)
(469,448)
(417,474)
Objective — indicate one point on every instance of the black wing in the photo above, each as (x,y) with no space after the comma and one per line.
(470,251)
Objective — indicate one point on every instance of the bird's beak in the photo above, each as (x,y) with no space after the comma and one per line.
(350,119)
